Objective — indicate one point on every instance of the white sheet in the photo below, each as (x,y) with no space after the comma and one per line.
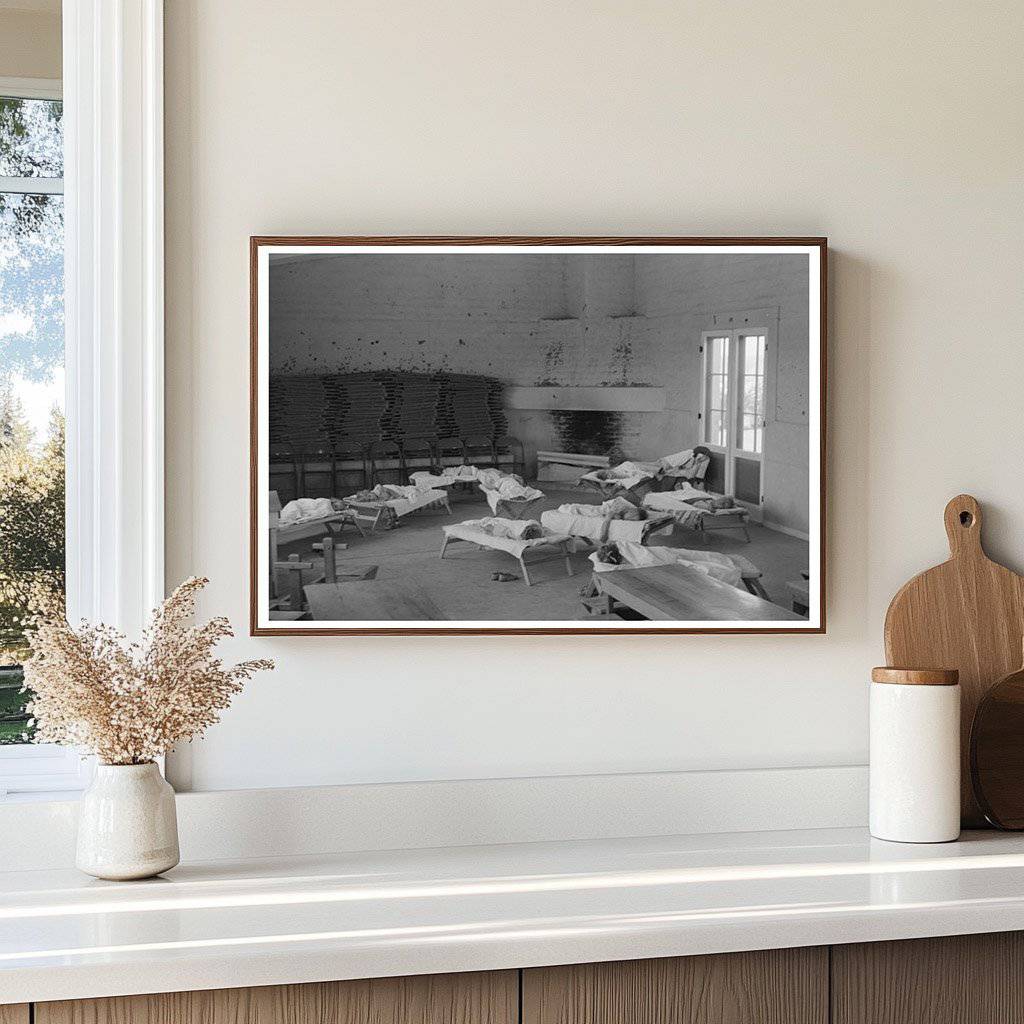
(403,499)
(626,474)
(502,527)
(424,480)
(508,488)
(636,556)
(302,510)
(597,530)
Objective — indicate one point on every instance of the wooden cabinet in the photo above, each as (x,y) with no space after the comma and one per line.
(779,986)
(963,979)
(491,998)
(970,979)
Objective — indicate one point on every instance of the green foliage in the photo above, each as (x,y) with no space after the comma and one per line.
(31,524)
(14,722)
(31,346)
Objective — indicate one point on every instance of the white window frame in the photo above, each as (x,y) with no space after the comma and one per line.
(706,338)
(114,329)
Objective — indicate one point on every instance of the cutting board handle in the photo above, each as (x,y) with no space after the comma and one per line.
(963,526)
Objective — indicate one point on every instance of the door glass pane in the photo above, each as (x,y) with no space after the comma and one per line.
(716,391)
(750,413)
(751,395)
(716,433)
(749,358)
(718,346)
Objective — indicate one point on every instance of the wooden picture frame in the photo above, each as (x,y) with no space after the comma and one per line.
(633,595)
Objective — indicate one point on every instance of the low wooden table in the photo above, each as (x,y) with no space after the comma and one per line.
(677,593)
(800,591)
(370,600)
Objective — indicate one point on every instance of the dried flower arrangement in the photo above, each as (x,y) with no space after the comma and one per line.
(129,703)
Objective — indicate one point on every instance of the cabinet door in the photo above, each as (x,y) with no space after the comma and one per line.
(479,998)
(962,979)
(779,986)
(14,1013)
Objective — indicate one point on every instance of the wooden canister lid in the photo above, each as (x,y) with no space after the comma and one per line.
(916,676)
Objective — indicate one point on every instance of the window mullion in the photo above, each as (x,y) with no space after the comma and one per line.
(32,186)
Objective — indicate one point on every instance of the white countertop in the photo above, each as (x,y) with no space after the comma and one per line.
(283,920)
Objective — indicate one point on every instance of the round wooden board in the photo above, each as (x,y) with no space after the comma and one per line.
(997,753)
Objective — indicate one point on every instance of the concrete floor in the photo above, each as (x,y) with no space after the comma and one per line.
(461,586)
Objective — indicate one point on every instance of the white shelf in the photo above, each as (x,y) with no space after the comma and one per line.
(351,915)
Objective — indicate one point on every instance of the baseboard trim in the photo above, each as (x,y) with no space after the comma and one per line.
(293,822)
(788,530)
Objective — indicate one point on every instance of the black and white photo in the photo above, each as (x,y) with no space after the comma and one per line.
(556,435)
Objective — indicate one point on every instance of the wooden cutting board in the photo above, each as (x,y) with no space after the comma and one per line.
(967,614)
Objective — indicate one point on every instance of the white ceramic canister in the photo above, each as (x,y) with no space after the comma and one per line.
(127,825)
(915,755)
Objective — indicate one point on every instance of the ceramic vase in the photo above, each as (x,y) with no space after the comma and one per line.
(127,826)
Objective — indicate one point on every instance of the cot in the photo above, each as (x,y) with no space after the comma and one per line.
(689,466)
(393,502)
(444,476)
(473,534)
(581,522)
(688,516)
(507,495)
(629,480)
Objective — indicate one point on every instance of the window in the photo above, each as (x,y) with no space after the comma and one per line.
(750,435)
(31,399)
(110,155)
(716,390)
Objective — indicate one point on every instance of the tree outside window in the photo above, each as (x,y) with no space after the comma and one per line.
(31,385)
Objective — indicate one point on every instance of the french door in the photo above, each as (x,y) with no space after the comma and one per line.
(732,412)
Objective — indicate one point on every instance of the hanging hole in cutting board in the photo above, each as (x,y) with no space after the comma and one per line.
(966,519)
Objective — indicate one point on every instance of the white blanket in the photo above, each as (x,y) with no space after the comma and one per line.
(677,459)
(592,528)
(600,530)
(450,475)
(423,479)
(302,510)
(626,474)
(508,488)
(680,503)
(400,499)
(611,509)
(635,556)
(499,526)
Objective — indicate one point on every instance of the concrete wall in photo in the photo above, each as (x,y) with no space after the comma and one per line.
(559,322)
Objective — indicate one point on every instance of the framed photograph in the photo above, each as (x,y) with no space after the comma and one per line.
(537,435)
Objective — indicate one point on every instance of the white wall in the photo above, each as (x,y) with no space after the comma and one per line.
(30,45)
(893,128)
